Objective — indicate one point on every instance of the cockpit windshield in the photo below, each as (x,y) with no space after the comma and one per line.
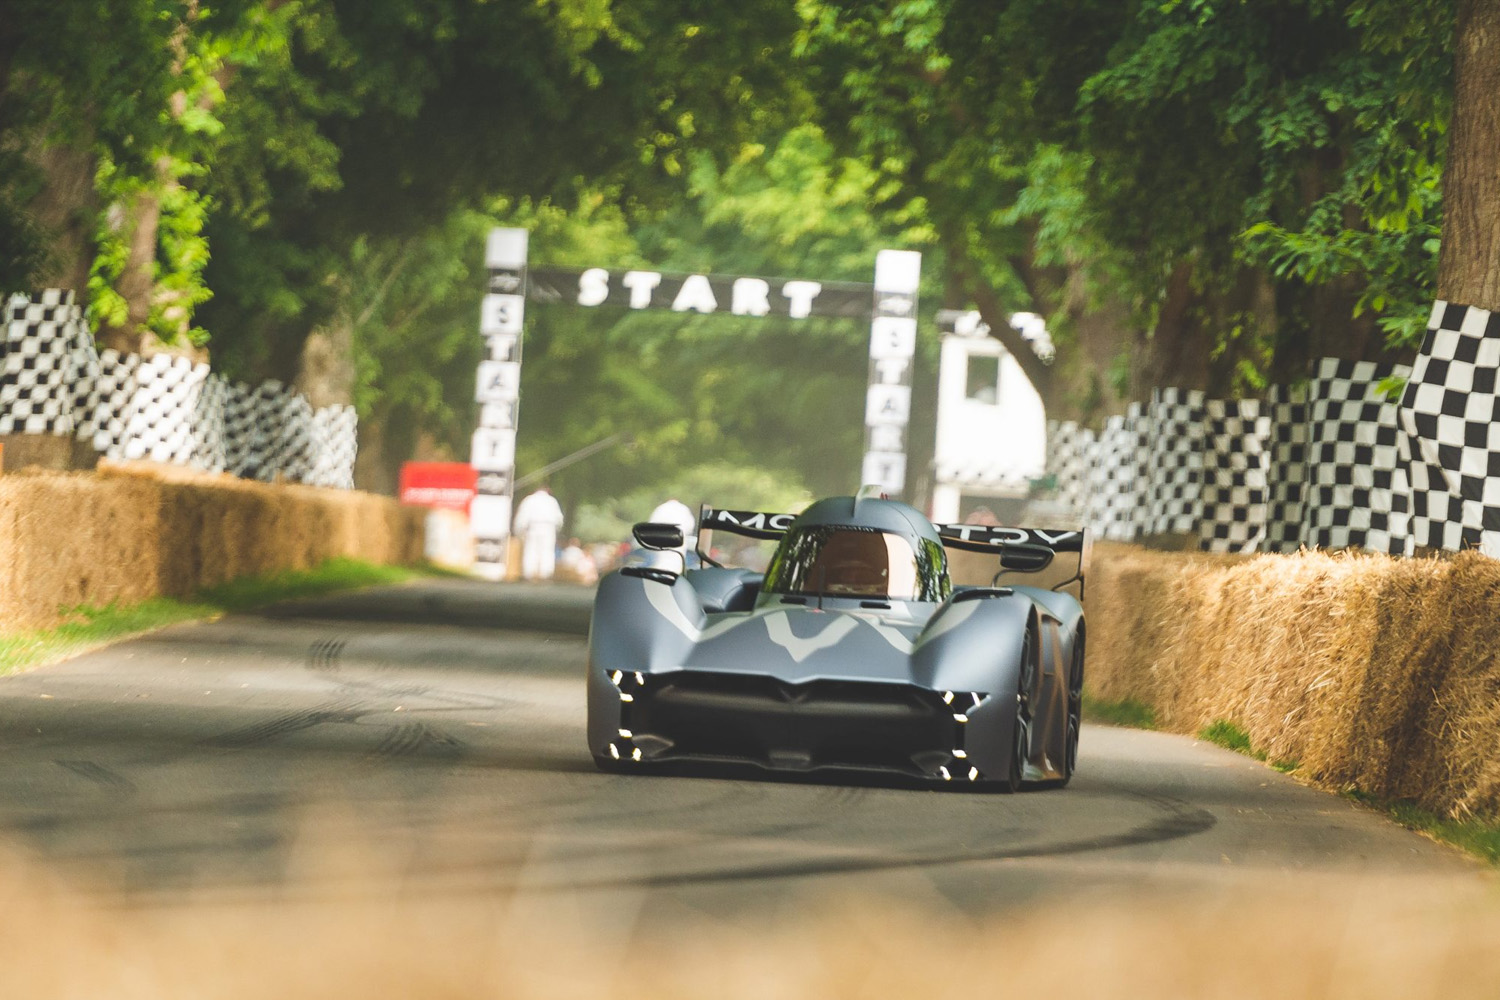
(850,561)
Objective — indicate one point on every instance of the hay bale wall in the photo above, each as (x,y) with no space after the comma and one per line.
(127,533)
(1370,671)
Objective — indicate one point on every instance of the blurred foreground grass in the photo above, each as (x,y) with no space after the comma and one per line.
(90,627)
(1285,938)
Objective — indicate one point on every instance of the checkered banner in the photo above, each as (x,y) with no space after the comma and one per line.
(1174,468)
(1358,493)
(1450,413)
(162,408)
(1116,482)
(1236,460)
(46,367)
(1332,463)
(1068,447)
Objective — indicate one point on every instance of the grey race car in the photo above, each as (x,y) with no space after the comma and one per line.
(853,652)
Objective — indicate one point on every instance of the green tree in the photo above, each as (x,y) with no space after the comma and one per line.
(1210,191)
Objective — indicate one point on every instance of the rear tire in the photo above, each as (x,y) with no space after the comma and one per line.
(1020,748)
(1075,706)
(1074,720)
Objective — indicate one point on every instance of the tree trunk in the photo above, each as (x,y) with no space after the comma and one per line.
(327,369)
(1469,264)
(137,282)
(1177,353)
(64,210)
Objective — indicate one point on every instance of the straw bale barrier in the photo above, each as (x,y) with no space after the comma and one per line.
(132,531)
(1369,671)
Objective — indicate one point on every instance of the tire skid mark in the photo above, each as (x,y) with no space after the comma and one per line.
(846,795)
(1179,820)
(414,738)
(282,725)
(324,655)
(98,774)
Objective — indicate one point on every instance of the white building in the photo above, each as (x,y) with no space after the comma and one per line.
(991,426)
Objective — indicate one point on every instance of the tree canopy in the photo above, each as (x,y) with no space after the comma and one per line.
(1204,193)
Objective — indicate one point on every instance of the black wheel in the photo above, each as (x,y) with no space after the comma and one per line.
(1075,706)
(1075,715)
(1072,754)
(1020,751)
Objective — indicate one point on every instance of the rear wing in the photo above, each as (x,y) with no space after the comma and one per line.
(762,526)
(750,523)
(1057,558)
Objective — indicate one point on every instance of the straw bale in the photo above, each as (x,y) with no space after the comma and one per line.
(1288,936)
(1369,671)
(136,530)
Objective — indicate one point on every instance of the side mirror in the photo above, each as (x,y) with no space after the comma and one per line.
(661,537)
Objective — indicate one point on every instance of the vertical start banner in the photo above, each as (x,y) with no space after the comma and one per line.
(497,390)
(893,345)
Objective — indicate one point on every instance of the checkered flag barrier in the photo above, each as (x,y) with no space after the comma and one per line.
(1450,412)
(206,425)
(294,446)
(1236,462)
(1287,469)
(109,401)
(1319,464)
(1068,452)
(84,374)
(1174,467)
(1115,480)
(1330,464)
(1358,493)
(159,414)
(335,445)
(241,448)
(162,408)
(269,404)
(45,366)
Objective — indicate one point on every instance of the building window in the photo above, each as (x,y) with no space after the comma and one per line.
(984,379)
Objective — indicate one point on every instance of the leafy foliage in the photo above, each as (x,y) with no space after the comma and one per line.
(1199,192)
(1259,179)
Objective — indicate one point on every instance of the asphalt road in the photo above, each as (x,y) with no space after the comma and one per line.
(427,741)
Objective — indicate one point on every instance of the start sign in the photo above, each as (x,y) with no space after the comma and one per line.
(443,485)
(736,295)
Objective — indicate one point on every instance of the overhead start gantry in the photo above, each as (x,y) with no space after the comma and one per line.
(889,304)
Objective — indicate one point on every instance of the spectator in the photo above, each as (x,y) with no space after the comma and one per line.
(576,564)
(674,511)
(538,518)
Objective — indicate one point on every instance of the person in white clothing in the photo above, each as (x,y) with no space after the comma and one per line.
(538,518)
(676,512)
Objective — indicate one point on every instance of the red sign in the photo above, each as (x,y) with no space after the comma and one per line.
(444,485)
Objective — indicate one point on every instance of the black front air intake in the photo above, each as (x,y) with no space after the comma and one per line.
(704,714)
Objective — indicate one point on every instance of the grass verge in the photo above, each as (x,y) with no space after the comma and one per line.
(1479,837)
(90,627)
(1128,712)
(1232,736)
